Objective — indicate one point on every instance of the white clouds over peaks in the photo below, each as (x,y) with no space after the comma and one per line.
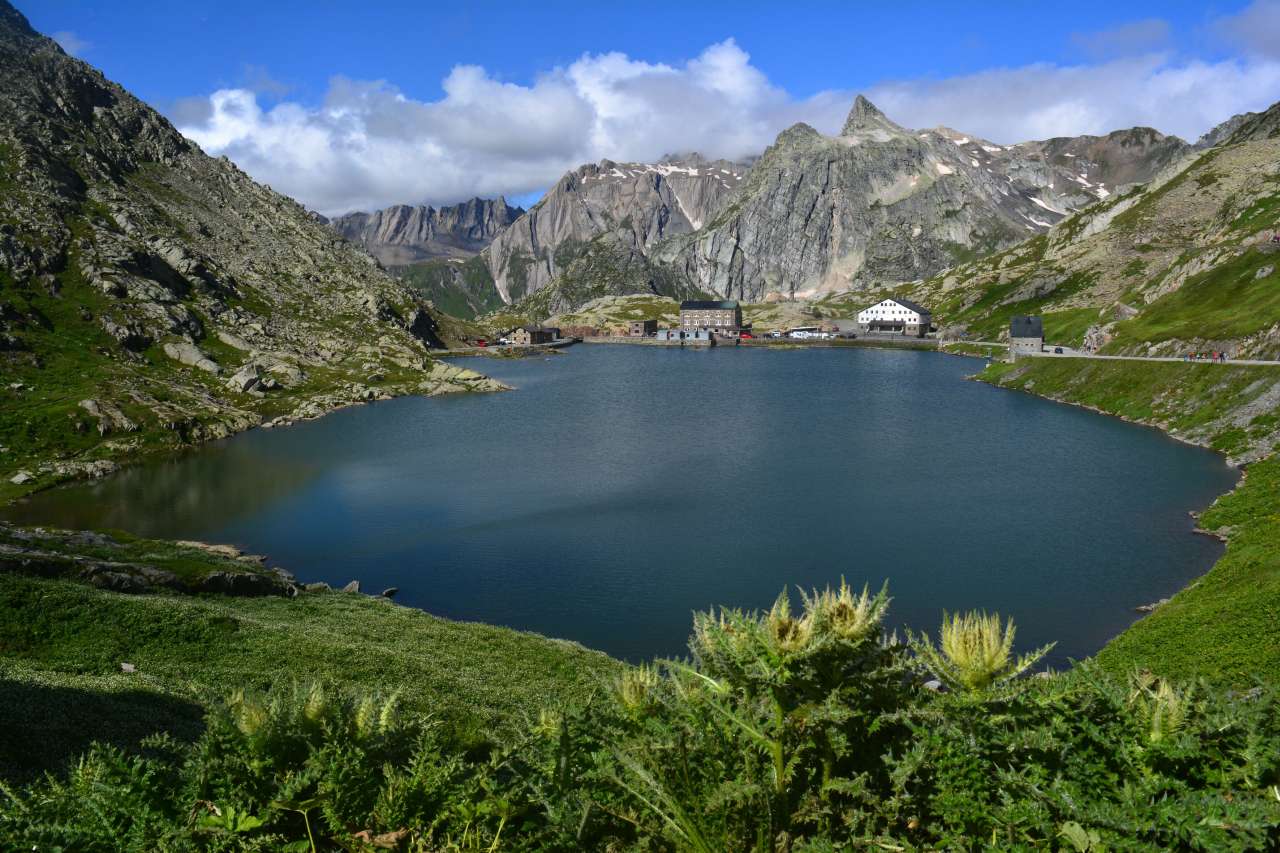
(367,145)
(1042,101)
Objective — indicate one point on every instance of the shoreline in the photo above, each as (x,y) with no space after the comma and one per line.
(55,473)
(1195,514)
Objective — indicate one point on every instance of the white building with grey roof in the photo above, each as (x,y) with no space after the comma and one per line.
(895,316)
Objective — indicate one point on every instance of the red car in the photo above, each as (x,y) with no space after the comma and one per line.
(746,335)
(482,343)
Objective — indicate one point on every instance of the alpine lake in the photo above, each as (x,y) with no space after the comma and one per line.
(620,488)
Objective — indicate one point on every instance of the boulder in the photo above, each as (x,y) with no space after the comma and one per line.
(191,355)
(115,581)
(243,583)
(110,418)
(390,592)
(22,478)
(245,379)
(319,586)
(354,586)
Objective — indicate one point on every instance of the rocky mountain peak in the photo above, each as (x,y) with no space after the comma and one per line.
(866,116)
(798,132)
(405,234)
(13,23)
(1254,127)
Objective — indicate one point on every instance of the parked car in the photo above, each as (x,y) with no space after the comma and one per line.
(746,335)
(1057,350)
(481,342)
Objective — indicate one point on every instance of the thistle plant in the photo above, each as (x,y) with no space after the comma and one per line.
(636,686)
(1161,706)
(974,653)
(785,633)
(844,615)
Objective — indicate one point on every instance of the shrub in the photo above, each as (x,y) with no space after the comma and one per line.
(804,729)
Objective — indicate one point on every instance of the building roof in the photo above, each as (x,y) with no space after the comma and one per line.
(709,305)
(534,329)
(907,303)
(1026,327)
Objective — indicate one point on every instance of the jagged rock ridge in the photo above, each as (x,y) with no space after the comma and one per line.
(404,234)
(880,204)
(636,204)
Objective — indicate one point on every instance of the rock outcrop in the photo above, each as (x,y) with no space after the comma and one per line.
(402,235)
(136,272)
(635,204)
(880,204)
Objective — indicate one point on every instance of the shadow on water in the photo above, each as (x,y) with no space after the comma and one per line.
(45,727)
(217,486)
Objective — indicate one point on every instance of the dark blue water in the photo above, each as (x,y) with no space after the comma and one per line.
(621,488)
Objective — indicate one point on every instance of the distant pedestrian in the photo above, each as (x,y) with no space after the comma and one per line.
(1275,238)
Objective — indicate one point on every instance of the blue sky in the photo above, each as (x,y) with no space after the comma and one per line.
(360,105)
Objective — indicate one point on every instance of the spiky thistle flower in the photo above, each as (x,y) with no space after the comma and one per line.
(974,652)
(249,715)
(1163,708)
(842,614)
(549,723)
(316,706)
(389,716)
(786,633)
(635,687)
(366,718)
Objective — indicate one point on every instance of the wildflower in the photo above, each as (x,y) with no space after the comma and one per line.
(974,652)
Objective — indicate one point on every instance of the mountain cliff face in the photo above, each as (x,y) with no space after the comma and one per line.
(637,204)
(1182,263)
(1251,127)
(152,295)
(402,235)
(880,204)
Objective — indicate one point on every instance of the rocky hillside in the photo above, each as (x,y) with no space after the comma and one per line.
(151,295)
(634,204)
(403,235)
(881,204)
(1179,264)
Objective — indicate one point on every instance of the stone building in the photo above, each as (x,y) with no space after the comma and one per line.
(895,317)
(1026,335)
(643,328)
(715,315)
(528,335)
(693,336)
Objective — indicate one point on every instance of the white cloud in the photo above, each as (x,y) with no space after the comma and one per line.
(71,43)
(368,145)
(1040,101)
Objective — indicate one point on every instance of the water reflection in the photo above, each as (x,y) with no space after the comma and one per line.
(620,488)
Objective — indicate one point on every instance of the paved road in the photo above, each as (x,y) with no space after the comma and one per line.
(1068,352)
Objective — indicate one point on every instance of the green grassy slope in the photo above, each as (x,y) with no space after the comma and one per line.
(460,289)
(62,644)
(1223,627)
(1180,264)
